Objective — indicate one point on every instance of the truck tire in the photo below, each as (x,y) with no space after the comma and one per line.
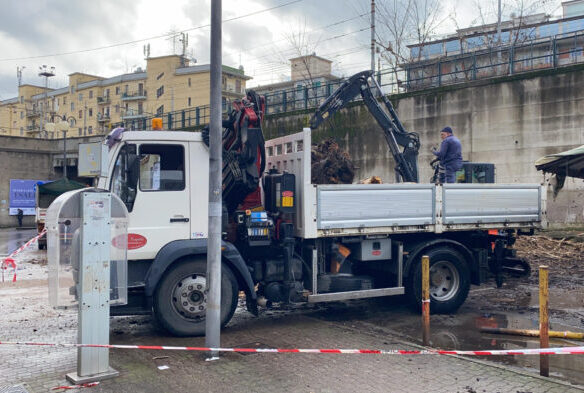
(449,281)
(180,300)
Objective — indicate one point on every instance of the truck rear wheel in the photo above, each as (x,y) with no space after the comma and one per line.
(449,281)
(180,300)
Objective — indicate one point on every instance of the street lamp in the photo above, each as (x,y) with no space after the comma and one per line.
(64,125)
(47,72)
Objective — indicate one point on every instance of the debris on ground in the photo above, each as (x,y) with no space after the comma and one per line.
(563,257)
(331,164)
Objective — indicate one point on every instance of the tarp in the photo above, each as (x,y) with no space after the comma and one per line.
(567,163)
(60,186)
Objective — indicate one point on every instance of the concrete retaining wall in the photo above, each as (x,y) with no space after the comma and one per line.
(27,158)
(510,122)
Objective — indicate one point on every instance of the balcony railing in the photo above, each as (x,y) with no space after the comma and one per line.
(133,114)
(101,117)
(139,95)
(33,112)
(103,100)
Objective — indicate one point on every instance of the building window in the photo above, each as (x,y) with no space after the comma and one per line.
(22,113)
(117,90)
(107,92)
(72,106)
(80,114)
(64,100)
(126,89)
(238,86)
(72,89)
(90,112)
(79,130)
(21,131)
(189,83)
(90,130)
(160,76)
(117,108)
(160,110)
(189,101)
(80,97)
(22,99)
(90,94)
(159,91)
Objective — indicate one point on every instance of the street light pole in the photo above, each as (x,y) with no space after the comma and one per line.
(64,125)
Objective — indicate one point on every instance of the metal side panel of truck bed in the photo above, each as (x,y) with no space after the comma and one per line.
(365,209)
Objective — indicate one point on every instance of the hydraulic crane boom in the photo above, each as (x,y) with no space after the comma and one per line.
(393,130)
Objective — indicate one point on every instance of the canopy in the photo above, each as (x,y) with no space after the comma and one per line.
(60,186)
(567,163)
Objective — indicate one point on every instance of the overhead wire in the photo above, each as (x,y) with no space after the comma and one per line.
(167,35)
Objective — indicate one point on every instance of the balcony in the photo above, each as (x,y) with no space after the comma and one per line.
(133,114)
(103,117)
(105,100)
(33,112)
(139,95)
(32,130)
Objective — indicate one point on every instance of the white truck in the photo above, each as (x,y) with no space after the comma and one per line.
(305,242)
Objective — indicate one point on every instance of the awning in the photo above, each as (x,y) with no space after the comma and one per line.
(59,187)
(567,163)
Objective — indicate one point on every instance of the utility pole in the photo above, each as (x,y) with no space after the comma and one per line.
(499,35)
(373,36)
(47,72)
(213,315)
(84,118)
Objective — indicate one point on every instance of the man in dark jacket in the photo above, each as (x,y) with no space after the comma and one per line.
(19,215)
(450,155)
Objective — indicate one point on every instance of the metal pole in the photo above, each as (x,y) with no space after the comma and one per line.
(64,154)
(499,35)
(213,317)
(426,300)
(544,340)
(373,35)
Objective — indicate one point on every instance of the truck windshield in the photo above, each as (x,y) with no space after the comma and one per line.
(122,182)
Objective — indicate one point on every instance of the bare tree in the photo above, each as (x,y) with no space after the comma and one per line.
(304,47)
(403,22)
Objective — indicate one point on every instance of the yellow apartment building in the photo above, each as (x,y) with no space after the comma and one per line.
(93,105)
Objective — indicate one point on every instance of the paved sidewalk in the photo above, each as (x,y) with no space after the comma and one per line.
(40,369)
(25,315)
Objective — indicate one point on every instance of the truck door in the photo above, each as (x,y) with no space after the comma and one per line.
(158,204)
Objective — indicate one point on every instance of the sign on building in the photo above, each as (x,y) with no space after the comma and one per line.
(22,196)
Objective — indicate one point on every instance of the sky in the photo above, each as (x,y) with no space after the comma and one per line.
(107,37)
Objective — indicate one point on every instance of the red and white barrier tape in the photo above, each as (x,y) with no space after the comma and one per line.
(536,351)
(9,260)
(83,385)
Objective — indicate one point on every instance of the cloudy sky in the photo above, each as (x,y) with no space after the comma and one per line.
(107,37)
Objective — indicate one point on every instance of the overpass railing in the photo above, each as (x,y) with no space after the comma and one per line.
(492,62)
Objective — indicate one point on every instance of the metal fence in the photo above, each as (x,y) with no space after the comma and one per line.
(494,62)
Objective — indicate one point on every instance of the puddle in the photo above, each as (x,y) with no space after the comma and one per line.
(461,331)
(11,239)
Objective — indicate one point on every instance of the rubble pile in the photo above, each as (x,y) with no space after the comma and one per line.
(331,164)
(562,256)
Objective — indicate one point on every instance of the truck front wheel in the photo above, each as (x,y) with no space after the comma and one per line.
(449,281)
(180,300)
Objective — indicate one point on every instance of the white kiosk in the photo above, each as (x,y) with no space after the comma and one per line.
(87,233)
